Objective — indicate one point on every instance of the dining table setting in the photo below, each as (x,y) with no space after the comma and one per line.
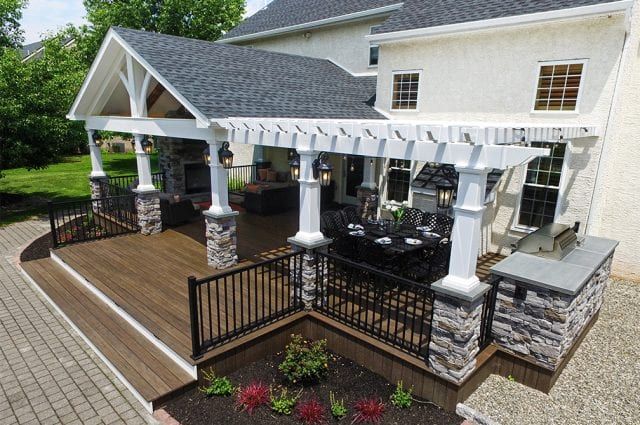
(398,238)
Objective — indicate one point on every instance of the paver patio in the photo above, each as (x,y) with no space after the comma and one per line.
(47,373)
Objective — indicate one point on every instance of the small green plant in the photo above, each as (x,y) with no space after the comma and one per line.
(511,378)
(284,403)
(305,361)
(218,386)
(401,398)
(338,409)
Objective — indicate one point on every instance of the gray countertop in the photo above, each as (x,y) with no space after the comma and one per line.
(567,275)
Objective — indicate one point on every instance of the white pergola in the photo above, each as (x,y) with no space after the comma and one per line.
(473,148)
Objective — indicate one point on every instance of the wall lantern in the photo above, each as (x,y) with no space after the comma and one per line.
(97,139)
(206,155)
(225,156)
(294,167)
(147,145)
(322,169)
(444,194)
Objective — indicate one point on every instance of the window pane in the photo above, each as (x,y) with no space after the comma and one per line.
(405,91)
(373,55)
(558,87)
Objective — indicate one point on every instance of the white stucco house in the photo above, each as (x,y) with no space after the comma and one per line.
(491,62)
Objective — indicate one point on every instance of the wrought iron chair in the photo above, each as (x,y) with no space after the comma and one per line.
(376,256)
(412,216)
(331,224)
(439,223)
(350,215)
(431,266)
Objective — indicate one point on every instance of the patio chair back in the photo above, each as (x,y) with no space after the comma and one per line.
(350,215)
(331,224)
(439,223)
(439,261)
(376,256)
(412,216)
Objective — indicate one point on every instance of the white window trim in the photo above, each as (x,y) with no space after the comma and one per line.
(562,192)
(373,45)
(576,111)
(407,71)
(385,196)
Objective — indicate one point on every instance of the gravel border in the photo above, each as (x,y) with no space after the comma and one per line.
(600,384)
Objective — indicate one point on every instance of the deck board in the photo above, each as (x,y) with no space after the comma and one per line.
(145,367)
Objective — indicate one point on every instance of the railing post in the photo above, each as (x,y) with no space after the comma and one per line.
(193,315)
(52,222)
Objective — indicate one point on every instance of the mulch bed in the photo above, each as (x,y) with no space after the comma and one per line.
(38,249)
(346,379)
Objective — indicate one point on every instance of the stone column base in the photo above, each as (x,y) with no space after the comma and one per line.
(149,216)
(455,336)
(221,241)
(309,290)
(97,191)
(368,198)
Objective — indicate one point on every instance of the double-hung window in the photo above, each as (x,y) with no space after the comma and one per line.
(374,51)
(404,95)
(398,179)
(541,188)
(559,86)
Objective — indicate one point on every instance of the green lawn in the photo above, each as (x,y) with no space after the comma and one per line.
(66,180)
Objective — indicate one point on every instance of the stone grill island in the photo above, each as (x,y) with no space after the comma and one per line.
(545,306)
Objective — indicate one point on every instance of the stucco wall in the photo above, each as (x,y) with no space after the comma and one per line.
(490,76)
(344,44)
(616,208)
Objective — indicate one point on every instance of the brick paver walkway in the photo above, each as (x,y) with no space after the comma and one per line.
(48,375)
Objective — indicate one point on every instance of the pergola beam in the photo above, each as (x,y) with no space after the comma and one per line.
(164,127)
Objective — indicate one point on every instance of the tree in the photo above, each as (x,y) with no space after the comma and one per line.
(202,19)
(10,15)
(36,96)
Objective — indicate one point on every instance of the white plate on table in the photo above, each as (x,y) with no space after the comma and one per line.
(431,235)
(411,241)
(352,226)
(423,229)
(357,233)
(384,241)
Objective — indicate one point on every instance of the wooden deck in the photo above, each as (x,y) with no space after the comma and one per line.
(145,277)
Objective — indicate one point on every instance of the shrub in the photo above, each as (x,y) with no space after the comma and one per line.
(310,412)
(284,403)
(252,397)
(218,386)
(368,410)
(401,398)
(338,409)
(305,361)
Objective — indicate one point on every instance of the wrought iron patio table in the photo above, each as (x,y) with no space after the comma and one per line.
(397,234)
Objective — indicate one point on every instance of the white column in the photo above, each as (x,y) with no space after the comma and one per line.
(145,184)
(96,156)
(369,174)
(309,232)
(219,191)
(465,237)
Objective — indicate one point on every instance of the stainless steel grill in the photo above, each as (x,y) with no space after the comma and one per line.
(550,241)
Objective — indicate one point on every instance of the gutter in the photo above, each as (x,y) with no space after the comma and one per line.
(314,24)
(540,17)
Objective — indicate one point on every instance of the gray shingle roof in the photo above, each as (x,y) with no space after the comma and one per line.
(286,13)
(432,13)
(229,81)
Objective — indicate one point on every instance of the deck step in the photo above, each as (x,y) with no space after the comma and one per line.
(144,368)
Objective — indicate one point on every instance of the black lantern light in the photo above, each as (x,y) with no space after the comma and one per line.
(97,139)
(206,155)
(322,169)
(147,145)
(444,193)
(225,156)
(294,167)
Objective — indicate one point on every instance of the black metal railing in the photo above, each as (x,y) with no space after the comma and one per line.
(231,304)
(92,219)
(389,308)
(488,309)
(239,176)
(122,185)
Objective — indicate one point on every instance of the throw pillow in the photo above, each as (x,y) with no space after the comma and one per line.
(272,176)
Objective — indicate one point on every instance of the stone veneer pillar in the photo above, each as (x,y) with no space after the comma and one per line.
(308,287)
(221,240)
(95,183)
(368,199)
(148,208)
(455,331)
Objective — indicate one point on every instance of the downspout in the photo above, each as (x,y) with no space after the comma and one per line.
(596,200)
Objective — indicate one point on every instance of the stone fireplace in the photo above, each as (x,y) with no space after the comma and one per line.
(185,171)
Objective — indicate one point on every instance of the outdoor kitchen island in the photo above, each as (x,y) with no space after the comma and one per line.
(545,305)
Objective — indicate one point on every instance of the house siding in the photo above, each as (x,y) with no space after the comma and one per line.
(344,44)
